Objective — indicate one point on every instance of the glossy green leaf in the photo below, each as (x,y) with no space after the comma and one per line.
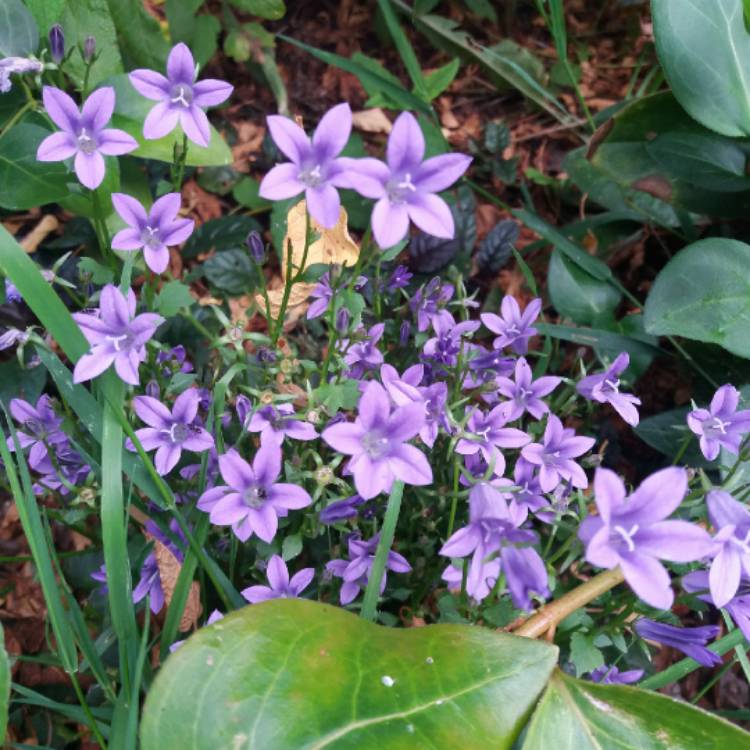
(141,39)
(232,271)
(130,112)
(704,50)
(292,673)
(667,432)
(46,12)
(24,181)
(19,35)
(703,293)
(172,297)
(577,715)
(4,684)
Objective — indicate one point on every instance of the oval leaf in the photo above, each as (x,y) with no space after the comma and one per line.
(705,52)
(576,715)
(293,673)
(703,293)
(19,36)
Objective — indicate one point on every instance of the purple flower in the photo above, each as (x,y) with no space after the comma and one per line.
(11,292)
(514,329)
(83,134)
(399,279)
(180,97)
(525,394)
(364,355)
(281,587)
(631,532)
(71,470)
(173,360)
(169,432)
(555,455)
(738,608)
(691,641)
(405,187)
(274,423)
(445,347)
(100,576)
(604,388)
(149,584)
(356,571)
(530,496)
(323,294)
(341,510)
(116,335)
(41,430)
(494,528)
(611,675)
(154,231)
(721,425)
(314,167)
(454,576)
(13,337)
(215,616)
(376,442)
(252,501)
(486,433)
(10,65)
(427,301)
(732,560)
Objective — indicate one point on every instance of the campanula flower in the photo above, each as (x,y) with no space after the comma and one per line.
(513,328)
(611,675)
(445,347)
(280,585)
(604,388)
(427,301)
(364,355)
(486,433)
(524,393)
(180,98)
(40,430)
(721,425)
(18,65)
(691,641)
(275,422)
(83,133)
(738,608)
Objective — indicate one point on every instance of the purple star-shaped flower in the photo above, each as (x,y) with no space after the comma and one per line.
(454,577)
(83,134)
(315,167)
(632,532)
(41,430)
(364,355)
(530,496)
(554,456)
(428,300)
(405,186)
(524,392)
(738,608)
(486,433)
(154,231)
(445,347)
(169,432)
(252,501)
(604,388)
(180,98)
(691,641)
(721,425)
(281,587)
(356,571)
(611,675)
(514,328)
(376,442)
(274,423)
(117,335)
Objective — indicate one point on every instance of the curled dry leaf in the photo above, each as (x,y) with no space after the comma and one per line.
(169,571)
(372,121)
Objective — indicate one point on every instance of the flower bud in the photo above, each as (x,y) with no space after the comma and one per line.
(89,48)
(404,333)
(256,247)
(342,320)
(152,389)
(56,43)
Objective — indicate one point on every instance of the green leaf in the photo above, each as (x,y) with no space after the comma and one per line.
(19,35)
(351,683)
(439,80)
(667,432)
(130,112)
(4,684)
(141,39)
(46,12)
(83,18)
(577,715)
(291,547)
(220,234)
(232,271)
(20,382)
(704,50)
(272,10)
(246,193)
(584,654)
(578,295)
(172,297)
(24,181)
(703,293)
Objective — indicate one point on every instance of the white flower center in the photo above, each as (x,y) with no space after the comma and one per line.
(375,444)
(254,497)
(122,342)
(399,189)
(86,143)
(150,237)
(718,425)
(627,535)
(181,94)
(312,176)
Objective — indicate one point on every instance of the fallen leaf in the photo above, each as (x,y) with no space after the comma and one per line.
(169,571)
(36,236)
(372,121)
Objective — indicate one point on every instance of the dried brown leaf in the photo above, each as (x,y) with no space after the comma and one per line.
(169,571)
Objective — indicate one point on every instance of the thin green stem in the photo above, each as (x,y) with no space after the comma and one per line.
(454,495)
(85,706)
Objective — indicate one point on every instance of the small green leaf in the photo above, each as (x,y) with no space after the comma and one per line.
(172,297)
(246,193)
(439,80)
(95,272)
(231,271)
(291,547)
(272,10)
(584,654)
(140,36)
(351,684)
(667,431)
(19,36)
(220,234)
(703,293)
(46,12)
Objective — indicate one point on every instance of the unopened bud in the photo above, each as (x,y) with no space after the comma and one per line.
(152,389)
(342,320)
(56,43)
(89,48)
(256,247)
(404,333)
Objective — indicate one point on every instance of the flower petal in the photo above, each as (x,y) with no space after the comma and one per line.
(180,65)
(332,133)
(405,149)
(440,172)
(162,119)
(90,169)
(152,412)
(195,125)
(97,109)
(281,182)
(150,84)
(210,92)
(61,109)
(390,223)
(115,142)
(57,147)
(649,579)
(130,210)
(289,138)
(432,215)
(324,205)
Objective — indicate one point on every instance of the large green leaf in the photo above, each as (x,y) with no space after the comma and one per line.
(703,293)
(24,181)
(4,684)
(19,35)
(130,112)
(46,12)
(293,673)
(141,40)
(576,715)
(704,49)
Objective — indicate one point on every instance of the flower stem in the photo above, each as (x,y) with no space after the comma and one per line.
(551,614)
(372,592)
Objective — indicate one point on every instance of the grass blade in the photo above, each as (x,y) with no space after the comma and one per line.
(405,50)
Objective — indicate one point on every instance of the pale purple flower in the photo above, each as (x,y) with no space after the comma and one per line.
(554,456)
(738,608)
(322,294)
(486,433)
(732,560)
(604,388)
(315,167)
(71,470)
(376,442)
(100,576)
(169,432)
(611,675)
(721,425)
(18,65)
(154,231)
(116,335)
(11,292)
(484,367)
(149,583)
(631,531)
(274,423)
(252,501)
(405,186)
(41,430)
(446,346)
(173,360)
(83,134)
(281,586)
(341,510)
(524,392)
(215,616)
(364,355)
(13,337)
(530,495)
(494,528)
(691,641)
(427,301)
(355,572)
(482,588)
(180,98)
(514,328)
(399,279)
